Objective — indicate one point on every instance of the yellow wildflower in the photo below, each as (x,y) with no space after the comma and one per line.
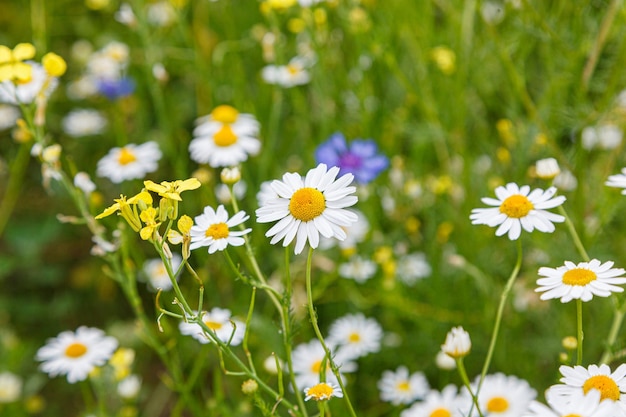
(123,205)
(148,216)
(172,189)
(54,65)
(11,65)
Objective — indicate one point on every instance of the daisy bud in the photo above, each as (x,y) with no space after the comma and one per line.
(230,175)
(457,344)
(569,343)
(547,169)
(444,361)
(249,386)
(51,154)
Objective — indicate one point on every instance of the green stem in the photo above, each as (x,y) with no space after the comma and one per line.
(496,326)
(618,319)
(16,177)
(463,374)
(579,331)
(318,333)
(572,231)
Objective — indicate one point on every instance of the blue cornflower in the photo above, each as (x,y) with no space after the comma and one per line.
(116,88)
(360,157)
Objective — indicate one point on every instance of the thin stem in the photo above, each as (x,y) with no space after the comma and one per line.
(579,331)
(572,231)
(14,186)
(460,366)
(496,326)
(618,319)
(318,333)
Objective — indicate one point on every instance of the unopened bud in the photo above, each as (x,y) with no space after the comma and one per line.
(249,386)
(230,175)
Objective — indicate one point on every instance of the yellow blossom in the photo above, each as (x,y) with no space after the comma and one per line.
(123,205)
(444,58)
(121,362)
(11,65)
(172,189)
(54,64)
(148,216)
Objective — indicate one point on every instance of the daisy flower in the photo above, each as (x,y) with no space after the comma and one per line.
(307,364)
(603,136)
(84,122)
(360,158)
(212,229)
(355,233)
(129,162)
(8,116)
(227,329)
(439,404)
(413,267)
(358,269)
(290,75)
(578,380)
(517,207)
(457,344)
(322,391)
(581,281)
(587,405)
(10,387)
(225,138)
(306,208)
(398,387)
(355,335)
(76,354)
(157,275)
(504,395)
(618,181)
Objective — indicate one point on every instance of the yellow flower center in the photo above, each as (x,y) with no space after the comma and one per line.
(75,350)
(440,412)
(306,204)
(126,157)
(579,276)
(516,206)
(403,386)
(605,384)
(320,391)
(225,114)
(497,405)
(316,366)
(213,325)
(354,338)
(225,136)
(293,70)
(217,231)
(572,415)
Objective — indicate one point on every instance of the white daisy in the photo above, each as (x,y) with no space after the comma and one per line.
(618,181)
(358,269)
(84,122)
(290,75)
(603,136)
(413,267)
(26,93)
(322,391)
(129,162)
(579,380)
(225,138)
(76,354)
(84,183)
(457,344)
(355,335)
(226,328)
(157,275)
(129,387)
(517,207)
(307,363)
(584,405)
(504,395)
(10,387)
(8,116)
(398,387)
(355,233)
(212,229)
(447,403)
(309,207)
(581,281)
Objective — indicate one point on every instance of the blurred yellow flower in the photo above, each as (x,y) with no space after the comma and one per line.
(11,65)
(296,25)
(54,64)
(444,58)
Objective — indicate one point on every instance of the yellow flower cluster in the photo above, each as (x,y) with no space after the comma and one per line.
(13,68)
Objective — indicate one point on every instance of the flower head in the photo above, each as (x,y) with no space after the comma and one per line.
(12,67)
(400,387)
(84,122)
(504,395)
(127,208)
(457,344)
(308,363)
(172,189)
(220,321)
(360,158)
(39,84)
(129,162)
(585,405)
(578,381)
(306,208)
(355,335)
(447,403)
(212,229)
(517,207)
(10,387)
(290,75)
(581,281)
(322,391)
(76,354)
(225,137)
(618,181)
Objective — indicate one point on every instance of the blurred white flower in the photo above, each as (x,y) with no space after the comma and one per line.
(400,387)
(603,136)
(10,387)
(25,93)
(129,162)
(290,75)
(161,13)
(8,116)
(84,122)
(413,267)
(84,183)
(358,269)
(157,275)
(129,387)
(547,168)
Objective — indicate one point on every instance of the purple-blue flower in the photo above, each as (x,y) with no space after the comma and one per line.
(113,89)
(360,157)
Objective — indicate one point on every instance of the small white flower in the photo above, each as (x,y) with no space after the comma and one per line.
(518,208)
(310,207)
(445,403)
(76,354)
(413,267)
(129,162)
(565,181)
(604,136)
(84,183)
(492,12)
(226,328)
(398,387)
(504,396)
(84,122)
(458,343)
(8,116)
(290,75)
(581,281)
(225,138)
(129,387)
(322,391)
(161,13)
(307,363)
(444,361)
(125,15)
(547,168)
(10,387)
(355,335)
(618,181)
(156,272)
(358,269)
(223,192)
(212,229)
